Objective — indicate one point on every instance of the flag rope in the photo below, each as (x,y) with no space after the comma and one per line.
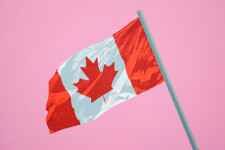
(167,81)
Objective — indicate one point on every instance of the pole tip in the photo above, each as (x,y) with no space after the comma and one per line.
(139,12)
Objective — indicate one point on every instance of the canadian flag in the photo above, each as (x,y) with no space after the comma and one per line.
(101,76)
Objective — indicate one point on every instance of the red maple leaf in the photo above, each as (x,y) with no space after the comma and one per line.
(99,83)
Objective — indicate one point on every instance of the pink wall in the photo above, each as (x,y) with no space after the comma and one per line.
(36,37)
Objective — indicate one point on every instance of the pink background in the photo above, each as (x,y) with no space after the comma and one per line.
(36,37)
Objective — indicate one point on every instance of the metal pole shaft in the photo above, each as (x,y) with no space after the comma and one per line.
(167,81)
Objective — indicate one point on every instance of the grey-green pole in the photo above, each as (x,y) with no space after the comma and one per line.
(167,80)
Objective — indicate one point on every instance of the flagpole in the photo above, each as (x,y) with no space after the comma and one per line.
(167,80)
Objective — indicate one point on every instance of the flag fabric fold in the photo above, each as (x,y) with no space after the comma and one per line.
(100,77)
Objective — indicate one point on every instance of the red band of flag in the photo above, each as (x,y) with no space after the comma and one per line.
(141,66)
(60,111)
